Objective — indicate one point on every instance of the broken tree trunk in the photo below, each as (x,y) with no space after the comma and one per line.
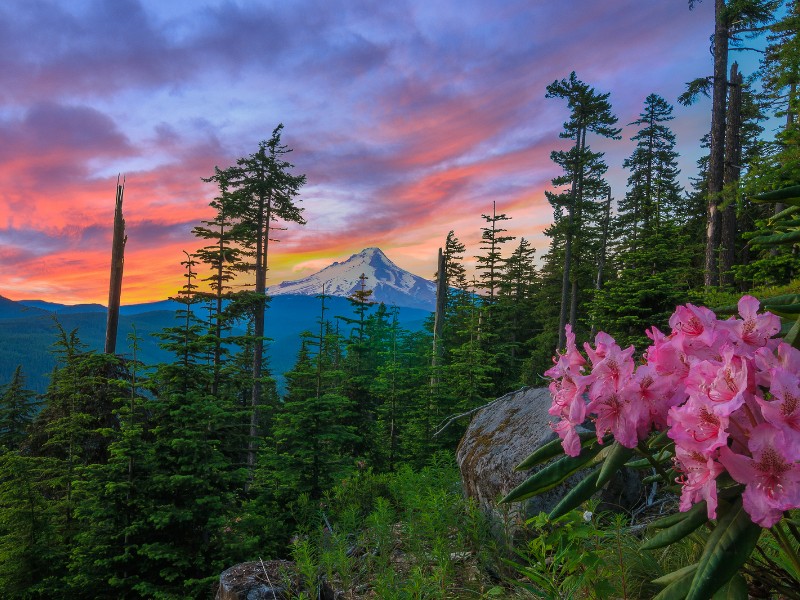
(115,283)
(733,153)
(438,320)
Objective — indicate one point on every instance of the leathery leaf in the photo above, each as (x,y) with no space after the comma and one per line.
(553,474)
(577,495)
(617,457)
(693,519)
(727,549)
(551,450)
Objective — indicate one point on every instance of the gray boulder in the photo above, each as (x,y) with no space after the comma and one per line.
(267,580)
(502,435)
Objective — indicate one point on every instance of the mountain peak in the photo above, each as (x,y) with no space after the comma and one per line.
(389,283)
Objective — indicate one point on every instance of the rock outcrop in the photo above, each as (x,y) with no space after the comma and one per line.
(267,580)
(502,435)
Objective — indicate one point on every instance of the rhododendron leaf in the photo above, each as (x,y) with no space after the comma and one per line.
(726,550)
(577,495)
(787,195)
(551,450)
(789,311)
(675,575)
(553,474)
(677,517)
(768,303)
(793,337)
(644,463)
(617,457)
(652,479)
(784,213)
(661,440)
(776,239)
(735,589)
(694,518)
(679,586)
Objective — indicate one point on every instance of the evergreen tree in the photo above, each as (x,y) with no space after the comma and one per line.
(265,192)
(17,407)
(489,264)
(514,318)
(653,189)
(315,432)
(590,112)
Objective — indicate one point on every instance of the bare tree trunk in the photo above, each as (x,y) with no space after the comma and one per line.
(717,158)
(733,152)
(565,278)
(573,301)
(258,326)
(117,263)
(438,319)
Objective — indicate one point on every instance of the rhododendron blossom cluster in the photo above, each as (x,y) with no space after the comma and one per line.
(727,393)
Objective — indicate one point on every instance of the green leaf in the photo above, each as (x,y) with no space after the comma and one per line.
(675,575)
(552,475)
(670,520)
(780,300)
(784,213)
(551,450)
(617,456)
(694,518)
(793,337)
(679,586)
(727,548)
(787,195)
(735,589)
(777,238)
(577,495)
(644,463)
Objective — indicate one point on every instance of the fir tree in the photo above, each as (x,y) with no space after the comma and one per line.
(590,112)
(17,406)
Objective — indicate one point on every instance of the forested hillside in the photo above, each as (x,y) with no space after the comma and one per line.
(123,480)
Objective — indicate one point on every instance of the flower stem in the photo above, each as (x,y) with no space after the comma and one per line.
(642,447)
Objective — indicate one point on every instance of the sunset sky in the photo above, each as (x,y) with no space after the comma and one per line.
(408,117)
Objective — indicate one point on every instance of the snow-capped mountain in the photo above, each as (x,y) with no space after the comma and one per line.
(389,283)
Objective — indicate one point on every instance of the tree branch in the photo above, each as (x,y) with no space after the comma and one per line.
(474,410)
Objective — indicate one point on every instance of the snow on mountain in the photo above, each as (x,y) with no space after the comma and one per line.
(389,283)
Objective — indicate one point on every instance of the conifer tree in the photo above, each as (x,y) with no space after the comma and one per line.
(590,112)
(17,406)
(265,192)
(489,264)
(314,432)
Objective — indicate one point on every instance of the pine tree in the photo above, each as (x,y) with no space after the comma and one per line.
(653,189)
(17,406)
(514,317)
(265,192)
(590,112)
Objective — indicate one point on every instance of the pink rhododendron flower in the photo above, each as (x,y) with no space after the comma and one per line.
(615,413)
(783,410)
(695,426)
(696,324)
(727,393)
(787,358)
(569,437)
(754,330)
(602,342)
(729,385)
(654,395)
(771,476)
(666,356)
(699,479)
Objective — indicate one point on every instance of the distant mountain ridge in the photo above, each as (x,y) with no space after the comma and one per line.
(389,283)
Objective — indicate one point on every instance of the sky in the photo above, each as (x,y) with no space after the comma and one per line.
(409,119)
